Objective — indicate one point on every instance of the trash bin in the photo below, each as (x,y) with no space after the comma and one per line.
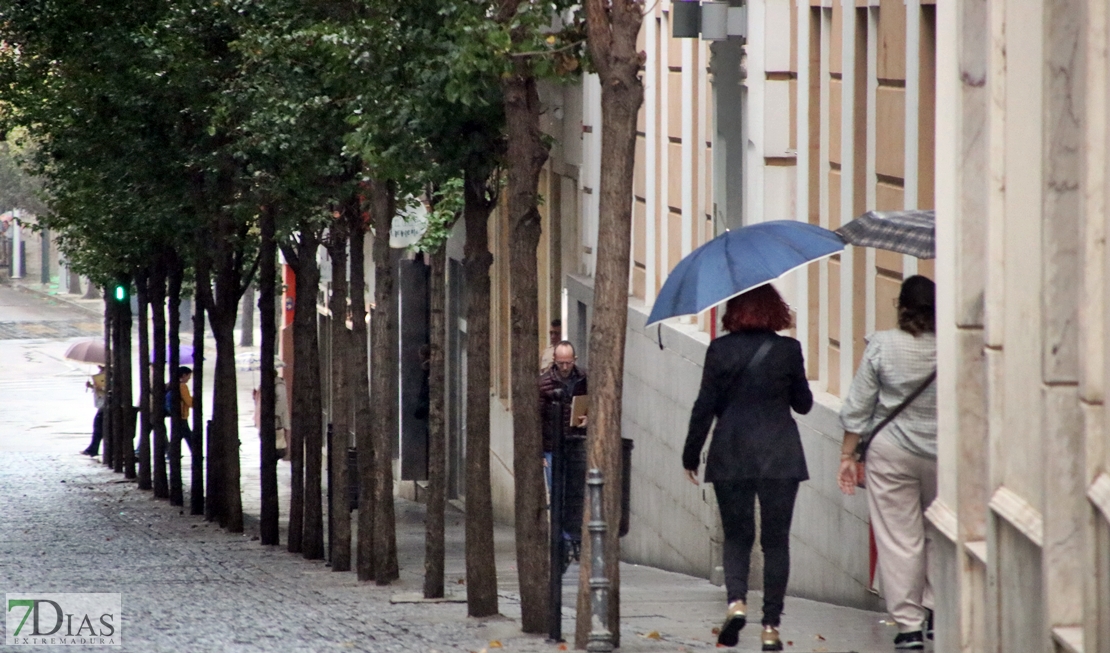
(574,493)
(626,483)
(352,478)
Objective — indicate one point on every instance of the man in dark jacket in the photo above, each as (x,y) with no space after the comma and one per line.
(558,384)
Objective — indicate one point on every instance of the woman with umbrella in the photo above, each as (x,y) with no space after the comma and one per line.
(751,381)
(92,351)
(99,385)
(893,403)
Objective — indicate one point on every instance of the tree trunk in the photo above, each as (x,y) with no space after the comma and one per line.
(269,530)
(360,386)
(175,277)
(197,494)
(108,428)
(158,384)
(612,27)
(246,319)
(125,449)
(308,370)
(526,156)
(434,536)
(117,390)
(143,295)
(481,570)
(339,515)
(306,533)
(384,383)
(225,410)
(225,418)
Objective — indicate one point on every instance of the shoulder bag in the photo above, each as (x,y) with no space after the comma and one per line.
(865,442)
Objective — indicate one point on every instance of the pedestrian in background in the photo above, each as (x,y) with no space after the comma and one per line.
(559,383)
(554,336)
(281,415)
(751,380)
(99,385)
(894,401)
(181,415)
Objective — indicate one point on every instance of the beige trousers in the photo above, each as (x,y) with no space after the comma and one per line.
(900,486)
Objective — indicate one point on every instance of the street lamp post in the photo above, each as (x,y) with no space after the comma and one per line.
(17,246)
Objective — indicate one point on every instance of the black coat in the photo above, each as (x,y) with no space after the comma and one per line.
(555,390)
(756,436)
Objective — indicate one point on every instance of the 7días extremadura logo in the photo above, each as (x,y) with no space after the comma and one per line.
(38,619)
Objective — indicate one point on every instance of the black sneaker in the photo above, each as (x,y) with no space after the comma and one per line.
(909,641)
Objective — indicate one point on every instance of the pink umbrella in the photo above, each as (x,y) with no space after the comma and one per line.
(87,351)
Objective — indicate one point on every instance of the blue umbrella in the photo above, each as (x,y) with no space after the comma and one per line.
(739,260)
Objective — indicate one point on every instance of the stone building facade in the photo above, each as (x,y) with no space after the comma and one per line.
(1023,515)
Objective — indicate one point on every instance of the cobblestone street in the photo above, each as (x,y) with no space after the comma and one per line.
(70,525)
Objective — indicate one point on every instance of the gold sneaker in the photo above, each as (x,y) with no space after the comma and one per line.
(735,619)
(771,641)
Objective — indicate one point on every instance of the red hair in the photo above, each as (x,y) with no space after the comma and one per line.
(759,308)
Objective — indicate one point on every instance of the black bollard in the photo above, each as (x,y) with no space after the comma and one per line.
(331,503)
(601,640)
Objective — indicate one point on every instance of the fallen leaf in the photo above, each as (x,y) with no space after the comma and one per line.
(818,637)
(716,631)
(562,647)
(494,643)
(654,635)
(789,643)
(461,581)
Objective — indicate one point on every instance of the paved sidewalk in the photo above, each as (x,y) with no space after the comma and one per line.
(53,294)
(661,611)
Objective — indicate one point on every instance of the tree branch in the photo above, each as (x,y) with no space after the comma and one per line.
(290,254)
(535,53)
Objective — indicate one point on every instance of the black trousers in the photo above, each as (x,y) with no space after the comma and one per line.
(97,434)
(736,501)
(186,434)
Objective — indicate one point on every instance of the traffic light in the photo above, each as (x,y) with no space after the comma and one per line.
(120,292)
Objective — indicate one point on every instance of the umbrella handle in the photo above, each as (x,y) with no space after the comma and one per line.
(659,335)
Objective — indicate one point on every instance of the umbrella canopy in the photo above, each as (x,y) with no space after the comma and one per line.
(87,351)
(905,232)
(739,260)
(185,351)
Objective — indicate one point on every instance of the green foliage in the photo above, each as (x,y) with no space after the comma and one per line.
(446,208)
(145,122)
(19,189)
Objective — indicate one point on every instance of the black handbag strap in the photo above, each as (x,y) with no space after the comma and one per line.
(753,362)
(865,442)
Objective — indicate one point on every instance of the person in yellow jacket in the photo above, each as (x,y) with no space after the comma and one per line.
(184,375)
(99,385)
